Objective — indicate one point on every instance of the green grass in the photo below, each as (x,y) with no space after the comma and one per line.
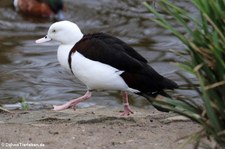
(24,104)
(205,43)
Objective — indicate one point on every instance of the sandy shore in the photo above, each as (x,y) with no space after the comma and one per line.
(94,128)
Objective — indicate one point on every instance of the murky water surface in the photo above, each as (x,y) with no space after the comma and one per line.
(31,71)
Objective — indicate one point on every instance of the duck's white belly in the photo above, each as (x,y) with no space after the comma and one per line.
(96,75)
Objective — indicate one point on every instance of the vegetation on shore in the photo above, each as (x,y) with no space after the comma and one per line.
(204,41)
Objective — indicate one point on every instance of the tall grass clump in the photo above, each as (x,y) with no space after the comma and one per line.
(204,41)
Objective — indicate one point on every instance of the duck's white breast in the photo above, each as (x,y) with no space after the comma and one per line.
(62,55)
(96,75)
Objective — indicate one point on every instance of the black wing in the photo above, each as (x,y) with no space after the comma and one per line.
(109,50)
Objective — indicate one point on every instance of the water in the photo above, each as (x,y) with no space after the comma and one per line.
(32,72)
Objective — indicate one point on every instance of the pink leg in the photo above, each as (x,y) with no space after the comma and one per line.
(127,110)
(73,103)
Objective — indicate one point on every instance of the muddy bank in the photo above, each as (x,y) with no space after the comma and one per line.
(95,128)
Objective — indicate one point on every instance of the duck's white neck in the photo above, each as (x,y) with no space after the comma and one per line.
(73,39)
(70,38)
(62,55)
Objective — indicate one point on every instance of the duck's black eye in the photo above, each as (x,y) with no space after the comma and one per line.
(53,30)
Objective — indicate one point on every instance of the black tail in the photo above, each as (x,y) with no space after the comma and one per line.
(169,84)
(166,84)
(150,96)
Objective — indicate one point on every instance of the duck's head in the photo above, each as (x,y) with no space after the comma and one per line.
(65,32)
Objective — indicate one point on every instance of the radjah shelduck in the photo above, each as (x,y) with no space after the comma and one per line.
(104,62)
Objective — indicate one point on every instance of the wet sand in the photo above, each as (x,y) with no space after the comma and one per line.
(94,128)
